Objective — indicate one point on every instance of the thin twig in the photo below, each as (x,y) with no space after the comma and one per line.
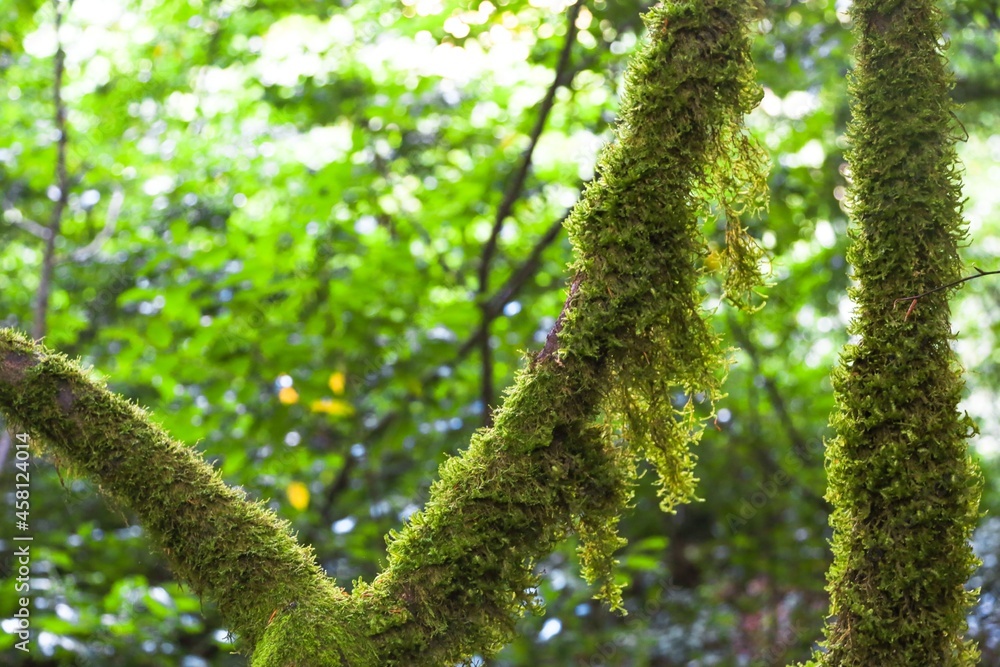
(62,181)
(516,184)
(799,446)
(495,305)
(961,125)
(979,274)
(504,295)
(528,268)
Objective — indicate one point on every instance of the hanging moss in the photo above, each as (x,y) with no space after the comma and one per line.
(636,230)
(904,489)
(631,338)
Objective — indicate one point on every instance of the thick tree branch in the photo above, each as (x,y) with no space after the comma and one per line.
(904,489)
(235,551)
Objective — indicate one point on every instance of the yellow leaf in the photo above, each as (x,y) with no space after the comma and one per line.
(337,382)
(714,260)
(332,407)
(288,395)
(298,495)
(415,386)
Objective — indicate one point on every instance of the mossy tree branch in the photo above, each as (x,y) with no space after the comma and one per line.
(561,456)
(229,549)
(901,481)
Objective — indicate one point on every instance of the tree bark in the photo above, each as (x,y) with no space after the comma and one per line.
(904,489)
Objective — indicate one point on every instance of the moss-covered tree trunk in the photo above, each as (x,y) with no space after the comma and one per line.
(632,333)
(904,489)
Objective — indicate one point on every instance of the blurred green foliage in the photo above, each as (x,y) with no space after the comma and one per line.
(291,286)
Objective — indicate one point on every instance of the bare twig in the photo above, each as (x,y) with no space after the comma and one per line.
(503,296)
(799,447)
(92,248)
(491,308)
(62,183)
(979,274)
(495,305)
(512,193)
(528,268)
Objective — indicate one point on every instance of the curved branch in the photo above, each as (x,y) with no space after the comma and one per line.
(234,551)
(460,573)
(110,221)
(524,272)
(516,184)
(37,230)
(495,306)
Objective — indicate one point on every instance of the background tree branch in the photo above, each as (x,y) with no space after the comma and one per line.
(515,186)
(62,183)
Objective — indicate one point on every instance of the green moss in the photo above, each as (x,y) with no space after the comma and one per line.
(562,454)
(631,337)
(236,552)
(319,628)
(904,489)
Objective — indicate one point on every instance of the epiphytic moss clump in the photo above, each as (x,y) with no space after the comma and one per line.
(903,487)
